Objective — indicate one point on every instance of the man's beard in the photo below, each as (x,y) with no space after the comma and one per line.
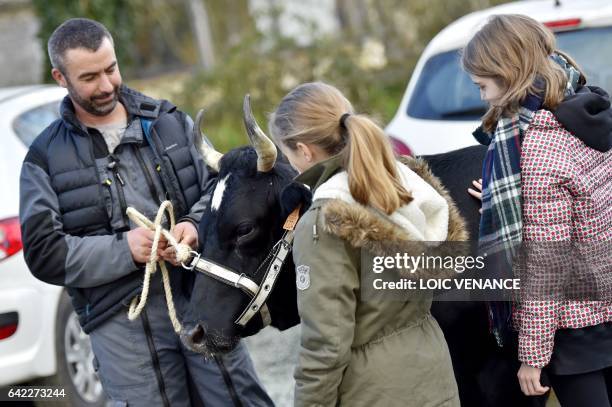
(91,105)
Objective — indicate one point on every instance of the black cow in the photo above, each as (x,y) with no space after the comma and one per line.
(254,194)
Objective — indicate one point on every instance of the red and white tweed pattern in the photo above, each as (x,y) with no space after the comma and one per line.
(567,195)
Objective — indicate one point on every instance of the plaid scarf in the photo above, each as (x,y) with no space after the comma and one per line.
(501,223)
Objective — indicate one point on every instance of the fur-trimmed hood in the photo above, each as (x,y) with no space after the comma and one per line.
(368,229)
(425,217)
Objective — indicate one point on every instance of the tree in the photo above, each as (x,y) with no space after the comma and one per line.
(150,35)
(202,33)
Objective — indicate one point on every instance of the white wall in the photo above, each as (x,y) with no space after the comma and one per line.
(297,15)
(21,54)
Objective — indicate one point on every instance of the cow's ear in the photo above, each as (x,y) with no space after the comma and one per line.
(280,157)
(293,195)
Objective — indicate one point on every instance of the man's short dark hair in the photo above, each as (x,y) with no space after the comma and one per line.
(75,33)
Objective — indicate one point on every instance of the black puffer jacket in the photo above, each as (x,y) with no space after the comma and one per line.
(73,197)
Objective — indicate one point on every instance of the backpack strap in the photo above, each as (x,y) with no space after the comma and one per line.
(146,129)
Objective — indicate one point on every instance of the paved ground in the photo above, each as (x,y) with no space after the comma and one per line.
(274,354)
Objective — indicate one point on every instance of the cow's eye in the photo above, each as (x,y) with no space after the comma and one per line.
(244,229)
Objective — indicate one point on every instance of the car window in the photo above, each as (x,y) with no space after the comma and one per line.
(445,92)
(592,50)
(31,123)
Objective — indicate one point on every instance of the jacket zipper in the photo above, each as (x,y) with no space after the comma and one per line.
(315,233)
(154,358)
(93,157)
(177,193)
(228,382)
(147,175)
(113,165)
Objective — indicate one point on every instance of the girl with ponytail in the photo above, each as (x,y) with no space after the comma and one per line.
(356,351)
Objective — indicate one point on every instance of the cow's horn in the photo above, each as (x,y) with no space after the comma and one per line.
(210,155)
(265,148)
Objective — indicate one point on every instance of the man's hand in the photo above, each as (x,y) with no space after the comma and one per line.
(183,232)
(529,379)
(140,241)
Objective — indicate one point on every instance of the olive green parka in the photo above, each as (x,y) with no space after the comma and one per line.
(368,353)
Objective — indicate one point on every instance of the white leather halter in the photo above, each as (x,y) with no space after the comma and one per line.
(259,293)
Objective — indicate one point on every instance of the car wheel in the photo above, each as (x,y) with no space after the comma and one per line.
(75,369)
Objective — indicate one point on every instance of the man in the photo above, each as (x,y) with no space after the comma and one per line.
(113,148)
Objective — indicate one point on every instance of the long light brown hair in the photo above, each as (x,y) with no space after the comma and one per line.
(514,50)
(311,114)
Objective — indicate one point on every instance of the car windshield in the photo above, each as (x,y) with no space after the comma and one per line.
(445,92)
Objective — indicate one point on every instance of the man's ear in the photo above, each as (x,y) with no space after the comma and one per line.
(293,195)
(59,77)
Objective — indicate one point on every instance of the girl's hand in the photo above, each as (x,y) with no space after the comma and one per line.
(477,192)
(529,379)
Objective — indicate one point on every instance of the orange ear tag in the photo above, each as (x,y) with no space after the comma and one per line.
(292,219)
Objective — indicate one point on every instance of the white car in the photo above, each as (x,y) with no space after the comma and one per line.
(441,106)
(40,336)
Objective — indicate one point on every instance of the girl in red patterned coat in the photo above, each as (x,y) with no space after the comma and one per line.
(547,177)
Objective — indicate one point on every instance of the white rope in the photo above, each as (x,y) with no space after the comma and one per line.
(182,255)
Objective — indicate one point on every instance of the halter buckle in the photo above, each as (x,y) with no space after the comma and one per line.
(194,261)
(237,283)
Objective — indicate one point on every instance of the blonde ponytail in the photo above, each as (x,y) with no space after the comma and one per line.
(371,166)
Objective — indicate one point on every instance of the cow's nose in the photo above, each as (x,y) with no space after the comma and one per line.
(195,339)
(196,335)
